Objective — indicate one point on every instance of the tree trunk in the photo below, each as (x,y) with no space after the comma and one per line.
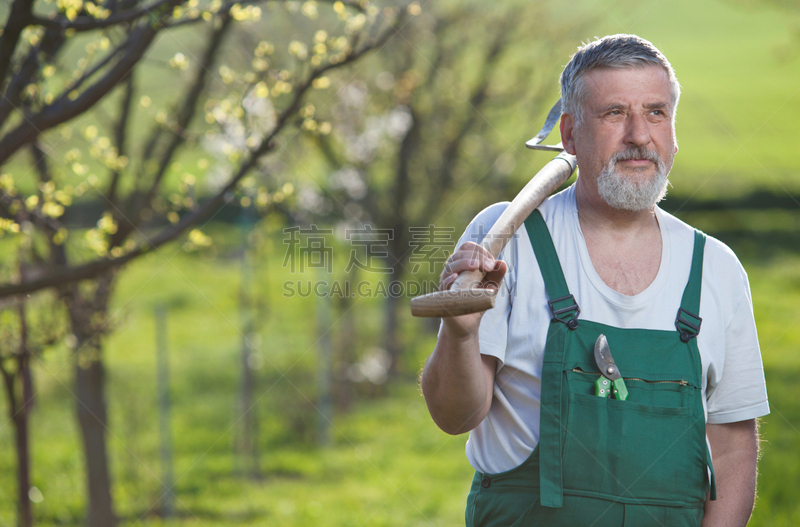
(167,507)
(345,353)
(391,342)
(19,390)
(248,439)
(90,391)
(324,366)
(18,410)
(23,467)
(88,313)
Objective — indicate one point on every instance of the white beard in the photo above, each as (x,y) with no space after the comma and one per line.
(632,194)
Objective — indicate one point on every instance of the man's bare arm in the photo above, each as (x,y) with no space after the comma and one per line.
(735,450)
(457,380)
(457,389)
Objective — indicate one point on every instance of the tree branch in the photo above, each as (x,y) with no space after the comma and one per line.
(8,379)
(97,67)
(50,45)
(11,33)
(187,112)
(444,175)
(369,201)
(401,182)
(64,109)
(120,134)
(39,219)
(49,226)
(88,23)
(69,275)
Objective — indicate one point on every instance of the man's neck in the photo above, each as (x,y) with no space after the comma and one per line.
(625,247)
(599,218)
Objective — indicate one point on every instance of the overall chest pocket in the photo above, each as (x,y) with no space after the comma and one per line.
(641,450)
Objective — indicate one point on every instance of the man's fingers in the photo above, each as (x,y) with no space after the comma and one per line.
(461,265)
(461,261)
(472,251)
(447,282)
(494,274)
(469,257)
(495,277)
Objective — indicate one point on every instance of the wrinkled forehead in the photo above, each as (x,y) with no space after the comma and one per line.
(648,85)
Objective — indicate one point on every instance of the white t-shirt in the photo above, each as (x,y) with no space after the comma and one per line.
(515,330)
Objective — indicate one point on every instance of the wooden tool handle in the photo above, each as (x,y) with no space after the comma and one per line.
(465,296)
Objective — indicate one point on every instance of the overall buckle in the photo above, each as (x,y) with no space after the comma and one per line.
(571,323)
(687,328)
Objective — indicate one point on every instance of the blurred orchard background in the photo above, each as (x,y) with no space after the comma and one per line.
(213,215)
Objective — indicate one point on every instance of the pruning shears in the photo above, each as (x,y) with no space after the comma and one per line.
(610,380)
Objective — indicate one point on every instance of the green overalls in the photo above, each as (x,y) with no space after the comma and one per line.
(602,461)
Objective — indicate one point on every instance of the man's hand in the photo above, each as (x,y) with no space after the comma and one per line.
(469,257)
(458,381)
(735,450)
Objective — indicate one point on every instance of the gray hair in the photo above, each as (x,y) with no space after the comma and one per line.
(613,51)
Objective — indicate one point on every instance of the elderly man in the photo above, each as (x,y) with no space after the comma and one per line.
(600,258)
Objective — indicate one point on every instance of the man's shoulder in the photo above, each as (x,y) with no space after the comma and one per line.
(486,218)
(483,221)
(717,255)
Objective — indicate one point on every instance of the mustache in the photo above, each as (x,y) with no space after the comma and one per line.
(637,153)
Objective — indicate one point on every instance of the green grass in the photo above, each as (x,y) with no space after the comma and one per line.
(740,77)
(779,467)
(380,468)
(387,464)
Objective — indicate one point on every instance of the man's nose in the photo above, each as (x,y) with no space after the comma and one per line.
(637,132)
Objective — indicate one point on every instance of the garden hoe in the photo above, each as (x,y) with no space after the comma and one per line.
(465,296)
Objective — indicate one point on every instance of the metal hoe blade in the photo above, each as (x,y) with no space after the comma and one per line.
(604,360)
(549,123)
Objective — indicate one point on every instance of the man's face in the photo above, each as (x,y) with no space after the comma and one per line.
(626,142)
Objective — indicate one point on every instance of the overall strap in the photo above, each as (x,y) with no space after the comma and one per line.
(562,304)
(564,309)
(688,320)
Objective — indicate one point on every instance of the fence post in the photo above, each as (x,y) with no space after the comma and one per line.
(165,430)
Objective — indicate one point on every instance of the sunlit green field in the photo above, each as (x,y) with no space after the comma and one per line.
(387,464)
(739,68)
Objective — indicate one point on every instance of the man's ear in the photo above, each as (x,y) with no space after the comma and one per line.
(567,127)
